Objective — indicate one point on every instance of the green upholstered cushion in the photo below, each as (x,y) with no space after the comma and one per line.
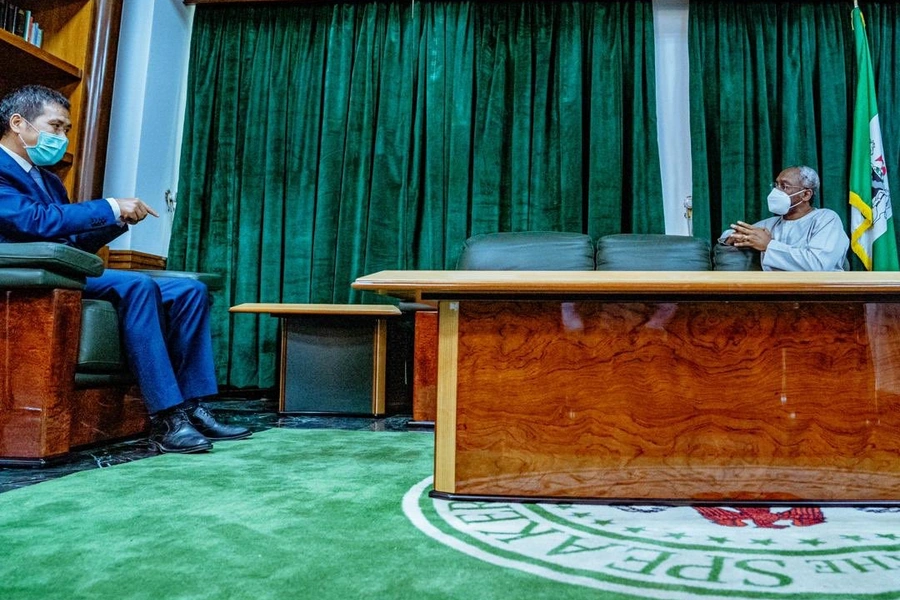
(652,252)
(37,278)
(213,281)
(51,256)
(527,251)
(100,347)
(730,258)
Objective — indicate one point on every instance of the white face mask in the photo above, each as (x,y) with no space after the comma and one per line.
(780,201)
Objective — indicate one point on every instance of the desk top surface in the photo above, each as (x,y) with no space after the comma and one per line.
(424,285)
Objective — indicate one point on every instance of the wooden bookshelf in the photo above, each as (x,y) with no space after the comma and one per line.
(23,61)
(78,58)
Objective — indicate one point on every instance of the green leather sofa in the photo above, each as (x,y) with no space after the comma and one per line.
(561,251)
(527,251)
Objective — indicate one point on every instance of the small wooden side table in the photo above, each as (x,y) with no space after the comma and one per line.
(332,356)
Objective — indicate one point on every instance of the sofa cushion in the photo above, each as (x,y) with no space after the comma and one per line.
(731,258)
(57,258)
(100,345)
(652,252)
(527,251)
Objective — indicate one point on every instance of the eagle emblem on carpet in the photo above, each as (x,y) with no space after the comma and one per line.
(682,552)
(802,516)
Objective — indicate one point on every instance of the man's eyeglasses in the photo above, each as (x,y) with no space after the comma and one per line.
(786,186)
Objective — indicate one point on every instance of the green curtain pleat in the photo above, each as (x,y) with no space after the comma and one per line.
(325,142)
(772,84)
(540,102)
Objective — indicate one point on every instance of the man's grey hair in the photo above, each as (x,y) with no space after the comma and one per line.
(809,179)
(28,101)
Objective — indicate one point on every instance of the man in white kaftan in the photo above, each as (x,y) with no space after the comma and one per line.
(800,237)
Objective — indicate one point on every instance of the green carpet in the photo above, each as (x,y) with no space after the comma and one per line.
(320,514)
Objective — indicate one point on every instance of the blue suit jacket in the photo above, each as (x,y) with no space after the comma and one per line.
(27,214)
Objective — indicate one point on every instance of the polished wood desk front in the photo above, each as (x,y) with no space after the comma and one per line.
(665,387)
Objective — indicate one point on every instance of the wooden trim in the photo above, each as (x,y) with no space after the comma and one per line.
(655,501)
(99,76)
(460,284)
(274,308)
(445,424)
(379,367)
(282,368)
(133,260)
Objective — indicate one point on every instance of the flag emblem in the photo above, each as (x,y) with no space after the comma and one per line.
(872,231)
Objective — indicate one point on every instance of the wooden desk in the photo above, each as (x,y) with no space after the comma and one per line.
(663,386)
(332,356)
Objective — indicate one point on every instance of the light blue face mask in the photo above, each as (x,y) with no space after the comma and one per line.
(49,149)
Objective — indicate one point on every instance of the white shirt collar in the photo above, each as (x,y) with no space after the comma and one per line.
(22,162)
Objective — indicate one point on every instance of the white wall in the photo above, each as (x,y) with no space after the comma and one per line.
(670,25)
(148,114)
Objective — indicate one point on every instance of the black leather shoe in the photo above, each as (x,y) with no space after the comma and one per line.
(173,432)
(212,429)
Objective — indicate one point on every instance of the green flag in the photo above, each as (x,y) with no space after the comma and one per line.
(872,228)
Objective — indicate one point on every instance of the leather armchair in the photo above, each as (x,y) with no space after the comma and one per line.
(64,381)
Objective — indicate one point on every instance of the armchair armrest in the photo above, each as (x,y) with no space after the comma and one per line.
(46,264)
(732,258)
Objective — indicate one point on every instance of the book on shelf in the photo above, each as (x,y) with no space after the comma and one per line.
(20,22)
(37,35)
(9,22)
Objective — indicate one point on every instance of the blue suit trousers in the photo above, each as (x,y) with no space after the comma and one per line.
(165,332)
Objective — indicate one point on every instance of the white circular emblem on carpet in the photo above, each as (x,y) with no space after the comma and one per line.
(677,552)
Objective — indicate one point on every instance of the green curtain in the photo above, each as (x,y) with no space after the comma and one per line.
(325,142)
(772,84)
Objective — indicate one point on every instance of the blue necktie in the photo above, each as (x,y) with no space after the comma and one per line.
(36,175)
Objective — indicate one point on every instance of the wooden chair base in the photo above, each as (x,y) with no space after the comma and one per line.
(42,415)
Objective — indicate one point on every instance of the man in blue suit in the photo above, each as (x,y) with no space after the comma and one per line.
(165,321)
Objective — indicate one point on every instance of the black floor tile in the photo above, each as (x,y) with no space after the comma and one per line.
(257,414)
